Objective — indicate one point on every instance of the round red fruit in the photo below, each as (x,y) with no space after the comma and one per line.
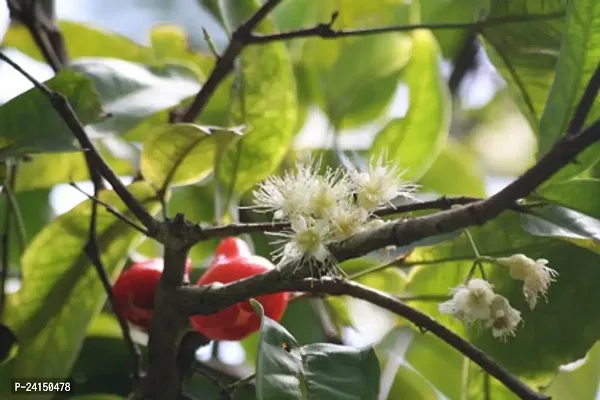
(135,288)
(230,248)
(239,320)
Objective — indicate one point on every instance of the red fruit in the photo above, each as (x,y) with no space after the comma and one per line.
(233,261)
(230,248)
(134,290)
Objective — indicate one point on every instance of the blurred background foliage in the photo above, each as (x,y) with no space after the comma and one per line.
(458,129)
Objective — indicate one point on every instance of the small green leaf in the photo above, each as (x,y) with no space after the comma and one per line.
(526,53)
(415,141)
(180,154)
(358,92)
(131,92)
(31,125)
(279,362)
(61,290)
(455,173)
(578,382)
(265,101)
(47,170)
(340,372)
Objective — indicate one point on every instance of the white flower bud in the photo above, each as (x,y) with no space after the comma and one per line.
(536,276)
(470,302)
(503,318)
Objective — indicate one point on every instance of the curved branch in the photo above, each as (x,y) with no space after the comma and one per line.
(196,300)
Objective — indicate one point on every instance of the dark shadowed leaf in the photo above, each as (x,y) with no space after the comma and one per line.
(265,102)
(180,154)
(415,140)
(31,125)
(61,291)
(340,372)
(279,362)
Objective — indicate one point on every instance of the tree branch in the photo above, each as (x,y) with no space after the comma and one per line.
(196,300)
(239,39)
(326,31)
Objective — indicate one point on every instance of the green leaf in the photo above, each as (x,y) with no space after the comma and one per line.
(197,204)
(180,154)
(442,11)
(265,102)
(340,372)
(61,291)
(577,194)
(562,222)
(302,323)
(415,141)
(542,343)
(578,382)
(36,212)
(47,170)
(103,364)
(131,92)
(526,53)
(358,92)
(401,380)
(31,125)
(81,41)
(279,362)
(455,173)
(578,59)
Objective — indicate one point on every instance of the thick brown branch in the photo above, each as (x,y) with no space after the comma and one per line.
(200,299)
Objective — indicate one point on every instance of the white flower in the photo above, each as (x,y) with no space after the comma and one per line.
(326,193)
(536,276)
(503,318)
(286,196)
(470,302)
(306,241)
(346,220)
(379,185)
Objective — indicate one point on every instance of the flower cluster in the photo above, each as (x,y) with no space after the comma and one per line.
(476,300)
(329,207)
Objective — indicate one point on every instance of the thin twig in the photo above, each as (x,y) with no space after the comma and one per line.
(326,31)
(111,210)
(8,210)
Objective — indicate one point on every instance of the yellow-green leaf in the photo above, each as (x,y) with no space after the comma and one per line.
(61,291)
(265,103)
(180,154)
(415,141)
